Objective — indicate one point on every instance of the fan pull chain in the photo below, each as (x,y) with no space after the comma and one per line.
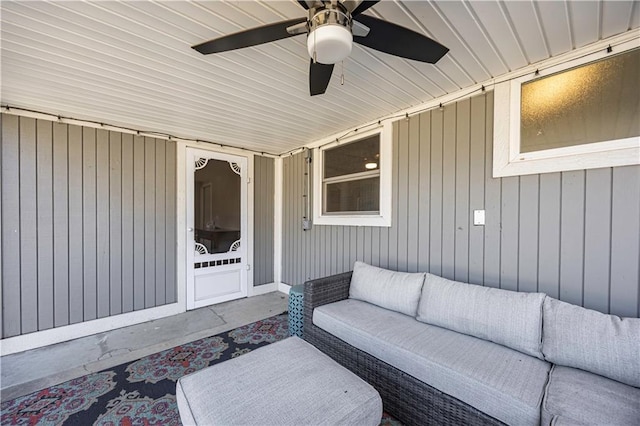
(342,75)
(315,55)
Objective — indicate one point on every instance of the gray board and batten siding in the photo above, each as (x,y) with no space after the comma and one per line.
(572,235)
(88,224)
(263,218)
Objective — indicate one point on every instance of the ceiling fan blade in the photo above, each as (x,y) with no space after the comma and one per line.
(399,41)
(319,77)
(359,29)
(296,29)
(247,38)
(304,4)
(351,4)
(364,5)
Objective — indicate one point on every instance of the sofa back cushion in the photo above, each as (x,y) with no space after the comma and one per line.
(606,345)
(396,291)
(505,317)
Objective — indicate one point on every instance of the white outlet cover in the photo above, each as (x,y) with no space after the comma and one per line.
(478,217)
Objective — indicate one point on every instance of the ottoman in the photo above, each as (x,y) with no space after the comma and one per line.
(285,383)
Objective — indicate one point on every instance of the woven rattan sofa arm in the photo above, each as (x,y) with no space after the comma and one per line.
(325,290)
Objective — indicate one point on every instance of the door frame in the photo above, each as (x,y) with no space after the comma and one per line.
(181,214)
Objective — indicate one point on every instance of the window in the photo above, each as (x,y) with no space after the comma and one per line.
(353,180)
(580,114)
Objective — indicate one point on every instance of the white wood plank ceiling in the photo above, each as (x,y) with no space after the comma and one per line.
(129,63)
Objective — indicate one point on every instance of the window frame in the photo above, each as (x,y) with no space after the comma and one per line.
(383,217)
(509,161)
(350,178)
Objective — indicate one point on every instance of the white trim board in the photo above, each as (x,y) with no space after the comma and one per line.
(277,218)
(284,288)
(262,289)
(74,331)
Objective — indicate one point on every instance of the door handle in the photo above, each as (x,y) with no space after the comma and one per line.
(189,229)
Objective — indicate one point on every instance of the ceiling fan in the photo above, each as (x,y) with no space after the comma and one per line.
(331,28)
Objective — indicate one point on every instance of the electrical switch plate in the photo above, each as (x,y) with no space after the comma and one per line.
(478,217)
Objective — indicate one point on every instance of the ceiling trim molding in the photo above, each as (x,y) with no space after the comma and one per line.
(39,115)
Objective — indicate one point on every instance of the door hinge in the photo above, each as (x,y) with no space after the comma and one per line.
(248,180)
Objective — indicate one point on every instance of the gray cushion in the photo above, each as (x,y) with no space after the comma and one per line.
(286,383)
(582,338)
(577,397)
(506,384)
(398,291)
(564,421)
(509,318)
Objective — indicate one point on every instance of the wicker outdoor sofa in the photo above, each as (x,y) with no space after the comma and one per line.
(412,401)
(408,399)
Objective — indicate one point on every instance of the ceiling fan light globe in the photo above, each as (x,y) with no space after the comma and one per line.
(329,44)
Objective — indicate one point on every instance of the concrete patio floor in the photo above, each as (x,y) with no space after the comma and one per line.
(36,369)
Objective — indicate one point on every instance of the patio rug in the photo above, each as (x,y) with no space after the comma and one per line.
(142,392)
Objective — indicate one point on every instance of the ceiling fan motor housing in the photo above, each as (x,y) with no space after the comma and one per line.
(330,39)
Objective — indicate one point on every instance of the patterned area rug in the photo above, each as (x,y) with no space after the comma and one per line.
(140,393)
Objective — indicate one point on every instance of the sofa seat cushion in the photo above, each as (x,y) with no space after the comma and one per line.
(575,396)
(503,383)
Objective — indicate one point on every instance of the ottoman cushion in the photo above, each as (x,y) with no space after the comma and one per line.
(287,383)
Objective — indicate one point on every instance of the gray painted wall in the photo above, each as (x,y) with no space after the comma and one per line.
(88,224)
(263,219)
(573,235)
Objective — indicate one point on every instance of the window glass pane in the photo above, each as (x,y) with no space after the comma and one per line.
(353,157)
(596,102)
(217,209)
(362,195)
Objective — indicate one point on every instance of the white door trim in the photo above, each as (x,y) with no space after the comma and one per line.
(277,219)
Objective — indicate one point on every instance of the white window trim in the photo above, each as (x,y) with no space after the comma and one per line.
(386,161)
(509,161)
